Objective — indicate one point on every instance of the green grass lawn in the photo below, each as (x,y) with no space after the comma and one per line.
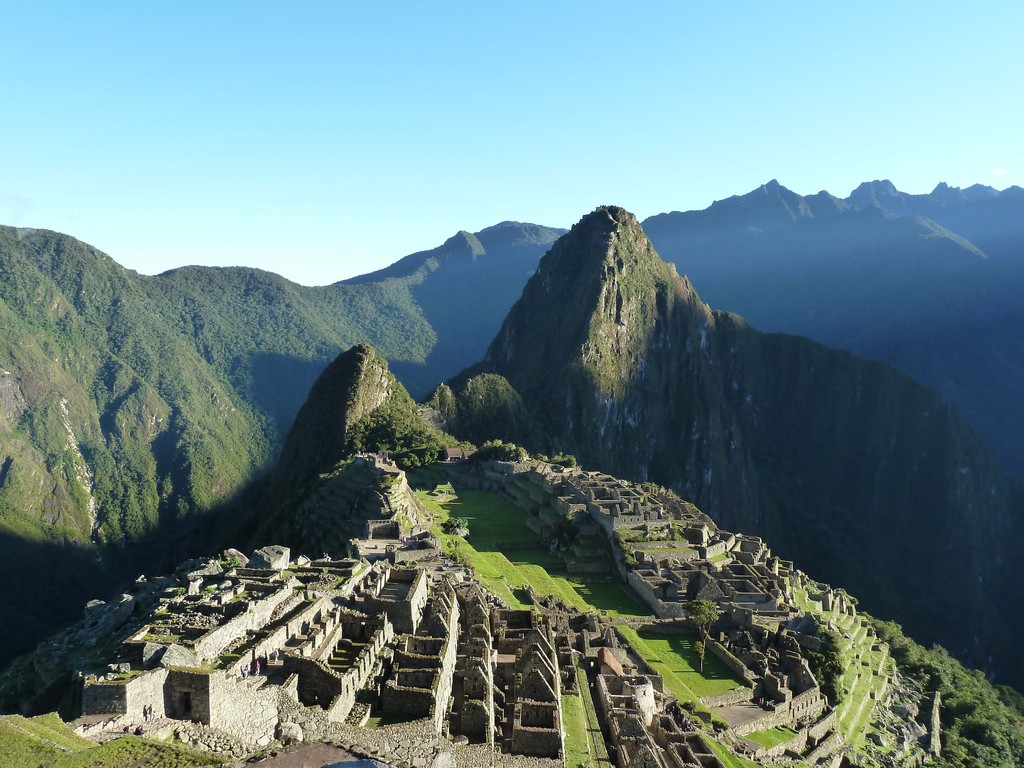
(133,751)
(674,658)
(574,720)
(772,737)
(728,758)
(494,524)
(51,728)
(20,750)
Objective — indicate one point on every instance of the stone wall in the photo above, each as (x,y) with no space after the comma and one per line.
(258,613)
(246,709)
(477,719)
(410,701)
(769,755)
(404,614)
(934,733)
(834,742)
(317,684)
(808,704)
(537,729)
(735,665)
(424,691)
(645,592)
(769,719)
(736,696)
(823,726)
(188,694)
(101,698)
(146,689)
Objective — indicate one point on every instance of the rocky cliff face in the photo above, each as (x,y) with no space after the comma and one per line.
(865,478)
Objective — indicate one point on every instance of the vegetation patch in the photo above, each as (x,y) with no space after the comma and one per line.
(982,724)
(47,742)
(675,658)
(508,556)
(574,720)
(771,737)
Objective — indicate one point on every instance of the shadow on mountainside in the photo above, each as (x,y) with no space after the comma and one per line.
(279,386)
(46,585)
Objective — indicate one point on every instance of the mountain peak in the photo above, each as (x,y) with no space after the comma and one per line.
(608,236)
(464,244)
(593,303)
(351,388)
(875,194)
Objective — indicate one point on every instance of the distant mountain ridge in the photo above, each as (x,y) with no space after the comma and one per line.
(928,283)
(464,288)
(865,478)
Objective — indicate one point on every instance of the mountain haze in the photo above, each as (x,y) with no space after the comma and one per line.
(464,289)
(862,476)
(927,283)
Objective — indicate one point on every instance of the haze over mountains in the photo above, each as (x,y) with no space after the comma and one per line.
(129,403)
(928,283)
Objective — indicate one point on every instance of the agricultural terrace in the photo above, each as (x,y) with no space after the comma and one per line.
(508,556)
(867,668)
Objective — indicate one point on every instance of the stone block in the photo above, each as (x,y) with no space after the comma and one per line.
(151,653)
(94,608)
(274,556)
(110,616)
(289,733)
(178,656)
(234,554)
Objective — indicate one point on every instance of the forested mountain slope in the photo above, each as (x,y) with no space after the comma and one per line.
(865,478)
(129,402)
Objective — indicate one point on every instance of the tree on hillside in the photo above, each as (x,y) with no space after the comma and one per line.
(703,613)
(455,526)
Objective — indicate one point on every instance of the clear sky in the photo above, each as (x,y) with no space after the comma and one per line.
(325,140)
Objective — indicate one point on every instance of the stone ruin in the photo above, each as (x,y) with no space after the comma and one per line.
(241,651)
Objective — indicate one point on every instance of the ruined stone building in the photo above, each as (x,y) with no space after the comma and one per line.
(420,684)
(527,674)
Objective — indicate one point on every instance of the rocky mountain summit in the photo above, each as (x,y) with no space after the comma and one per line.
(850,468)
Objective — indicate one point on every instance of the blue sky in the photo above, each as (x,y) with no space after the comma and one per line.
(325,140)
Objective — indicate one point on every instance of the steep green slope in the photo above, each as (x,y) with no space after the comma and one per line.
(112,427)
(865,478)
(128,402)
